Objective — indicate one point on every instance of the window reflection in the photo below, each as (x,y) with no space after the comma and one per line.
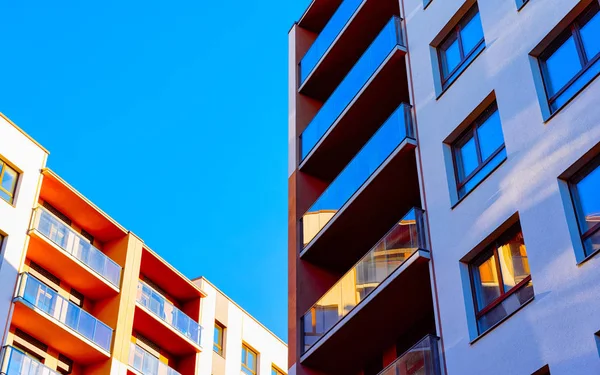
(585,187)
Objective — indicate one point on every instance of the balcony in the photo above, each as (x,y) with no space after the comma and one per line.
(384,168)
(340,42)
(44,314)
(145,363)
(422,359)
(361,93)
(161,322)
(64,252)
(389,285)
(16,362)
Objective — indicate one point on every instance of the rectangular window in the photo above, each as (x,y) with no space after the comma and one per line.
(218,338)
(276,371)
(460,47)
(478,151)
(501,279)
(8,182)
(584,191)
(249,360)
(572,60)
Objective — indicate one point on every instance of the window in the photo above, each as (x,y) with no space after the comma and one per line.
(478,151)
(501,279)
(460,47)
(218,338)
(8,182)
(584,191)
(276,371)
(571,61)
(521,3)
(249,360)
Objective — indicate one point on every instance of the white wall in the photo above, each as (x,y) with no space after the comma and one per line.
(29,158)
(558,327)
(240,327)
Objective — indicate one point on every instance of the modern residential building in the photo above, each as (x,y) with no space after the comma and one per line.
(444,187)
(82,295)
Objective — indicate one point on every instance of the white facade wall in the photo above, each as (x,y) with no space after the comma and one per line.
(558,326)
(240,328)
(28,158)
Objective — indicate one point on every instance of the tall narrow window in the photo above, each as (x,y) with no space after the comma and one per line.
(501,279)
(8,182)
(249,360)
(572,60)
(478,151)
(461,47)
(218,338)
(584,190)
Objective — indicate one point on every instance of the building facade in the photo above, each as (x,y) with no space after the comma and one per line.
(80,294)
(444,187)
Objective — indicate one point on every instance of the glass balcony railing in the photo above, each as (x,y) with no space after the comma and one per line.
(405,238)
(391,134)
(327,36)
(75,244)
(16,362)
(146,363)
(389,37)
(167,312)
(46,299)
(421,359)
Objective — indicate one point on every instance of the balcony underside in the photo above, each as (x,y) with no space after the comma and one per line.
(379,204)
(68,268)
(401,307)
(318,14)
(162,334)
(55,334)
(356,37)
(371,107)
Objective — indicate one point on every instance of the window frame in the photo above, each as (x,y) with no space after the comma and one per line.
(244,360)
(276,370)
(12,194)
(219,345)
(576,202)
(489,251)
(462,139)
(455,33)
(572,30)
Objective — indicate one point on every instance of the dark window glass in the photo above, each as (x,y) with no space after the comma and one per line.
(478,151)
(8,182)
(218,338)
(571,61)
(461,46)
(501,279)
(585,188)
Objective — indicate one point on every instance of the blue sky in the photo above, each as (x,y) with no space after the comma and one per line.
(172,117)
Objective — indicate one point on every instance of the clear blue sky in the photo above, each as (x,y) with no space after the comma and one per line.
(172,117)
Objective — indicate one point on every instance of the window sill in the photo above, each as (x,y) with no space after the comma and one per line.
(466,65)
(476,185)
(588,257)
(472,342)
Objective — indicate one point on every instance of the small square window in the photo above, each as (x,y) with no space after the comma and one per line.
(500,279)
(460,47)
(584,191)
(572,60)
(478,151)
(219,333)
(8,182)
(249,360)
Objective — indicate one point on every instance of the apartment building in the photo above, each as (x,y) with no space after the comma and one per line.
(444,187)
(82,295)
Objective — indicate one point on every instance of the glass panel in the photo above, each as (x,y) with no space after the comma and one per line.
(483,173)
(103,335)
(373,57)
(490,135)
(592,243)
(514,264)
(357,172)
(589,200)
(467,160)
(506,307)
(20,363)
(327,36)
(590,35)
(380,262)
(587,76)
(471,34)
(562,66)
(450,53)
(147,363)
(421,359)
(9,179)
(486,282)
(251,360)
(5,196)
